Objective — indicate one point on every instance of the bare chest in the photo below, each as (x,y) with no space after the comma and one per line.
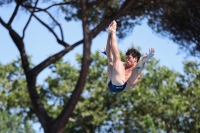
(127,74)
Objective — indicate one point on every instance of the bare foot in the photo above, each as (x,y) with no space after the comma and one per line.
(112,27)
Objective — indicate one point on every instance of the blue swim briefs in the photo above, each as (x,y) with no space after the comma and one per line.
(116,88)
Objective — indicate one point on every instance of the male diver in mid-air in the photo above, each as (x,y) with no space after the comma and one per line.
(123,75)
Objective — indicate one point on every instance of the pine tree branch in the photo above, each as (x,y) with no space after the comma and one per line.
(14,14)
(63,118)
(61,31)
(30,76)
(52,59)
(45,25)
(45,9)
(127,4)
(20,45)
(29,20)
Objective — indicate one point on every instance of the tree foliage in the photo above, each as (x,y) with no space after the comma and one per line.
(14,95)
(164,99)
(82,10)
(95,16)
(13,124)
(178,20)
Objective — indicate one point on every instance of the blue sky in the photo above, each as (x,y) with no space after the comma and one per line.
(40,43)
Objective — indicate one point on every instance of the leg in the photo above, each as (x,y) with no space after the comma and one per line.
(113,42)
(110,60)
(118,70)
(108,50)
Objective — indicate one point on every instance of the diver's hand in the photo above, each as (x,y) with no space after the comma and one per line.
(151,53)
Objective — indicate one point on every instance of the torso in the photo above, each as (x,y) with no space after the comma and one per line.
(128,71)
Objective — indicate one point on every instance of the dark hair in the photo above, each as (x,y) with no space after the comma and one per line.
(134,53)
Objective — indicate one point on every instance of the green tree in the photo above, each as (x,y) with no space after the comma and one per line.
(95,17)
(13,124)
(164,100)
(161,101)
(179,21)
(14,95)
(84,10)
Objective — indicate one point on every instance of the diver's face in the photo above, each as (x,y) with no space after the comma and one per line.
(130,61)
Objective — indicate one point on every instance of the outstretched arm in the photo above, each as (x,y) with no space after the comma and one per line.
(137,70)
(148,56)
(140,65)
